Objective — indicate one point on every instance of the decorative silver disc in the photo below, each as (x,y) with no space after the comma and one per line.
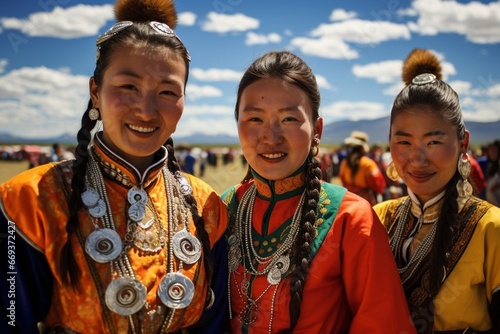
(176,290)
(136,212)
(103,245)
(423,79)
(90,197)
(234,258)
(186,247)
(137,195)
(125,296)
(98,210)
(274,276)
(232,240)
(184,185)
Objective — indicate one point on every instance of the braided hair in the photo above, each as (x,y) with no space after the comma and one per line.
(140,33)
(289,67)
(442,101)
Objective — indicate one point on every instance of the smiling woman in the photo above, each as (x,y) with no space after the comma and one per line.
(120,226)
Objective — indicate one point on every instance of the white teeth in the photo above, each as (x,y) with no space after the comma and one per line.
(141,129)
(273,156)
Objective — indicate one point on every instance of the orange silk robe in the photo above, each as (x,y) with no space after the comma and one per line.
(352,285)
(36,201)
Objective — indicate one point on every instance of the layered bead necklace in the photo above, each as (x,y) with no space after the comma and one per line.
(126,295)
(241,250)
(410,207)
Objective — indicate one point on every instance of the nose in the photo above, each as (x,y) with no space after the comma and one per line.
(146,107)
(272,133)
(418,156)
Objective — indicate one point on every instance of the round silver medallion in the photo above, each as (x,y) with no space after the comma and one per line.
(98,210)
(136,212)
(184,185)
(103,245)
(423,79)
(176,290)
(274,276)
(234,258)
(186,247)
(137,195)
(90,197)
(125,296)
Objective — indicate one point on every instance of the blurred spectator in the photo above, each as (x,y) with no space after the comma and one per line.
(493,173)
(358,172)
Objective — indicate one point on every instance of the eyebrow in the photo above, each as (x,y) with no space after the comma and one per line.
(133,74)
(432,133)
(285,109)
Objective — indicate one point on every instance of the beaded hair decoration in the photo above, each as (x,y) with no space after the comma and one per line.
(158,27)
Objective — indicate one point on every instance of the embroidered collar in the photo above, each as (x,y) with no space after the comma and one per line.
(284,188)
(430,211)
(119,170)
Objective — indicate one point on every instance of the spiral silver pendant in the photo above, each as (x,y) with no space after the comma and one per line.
(90,197)
(186,247)
(136,212)
(184,185)
(98,210)
(137,195)
(234,258)
(103,245)
(125,296)
(279,269)
(176,290)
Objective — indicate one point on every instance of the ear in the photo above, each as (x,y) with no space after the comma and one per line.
(464,144)
(94,90)
(318,128)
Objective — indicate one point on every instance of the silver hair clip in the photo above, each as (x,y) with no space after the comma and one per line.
(423,79)
(115,29)
(161,28)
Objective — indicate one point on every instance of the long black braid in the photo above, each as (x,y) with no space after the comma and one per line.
(304,239)
(67,264)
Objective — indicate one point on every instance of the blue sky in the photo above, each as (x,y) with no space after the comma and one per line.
(355,48)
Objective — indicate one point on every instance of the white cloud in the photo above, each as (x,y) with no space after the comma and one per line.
(388,71)
(212,120)
(223,23)
(325,47)
(478,22)
(353,110)
(3,64)
(341,15)
(186,18)
(362,31)
(253,38)
(42,102)
(215,74)
(71,22)
(195,92)
(323,82)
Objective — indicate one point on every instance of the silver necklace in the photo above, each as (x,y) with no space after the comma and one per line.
(241,250)
(126,295)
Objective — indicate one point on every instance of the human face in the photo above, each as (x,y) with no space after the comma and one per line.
(425,150)
(141,100)
(275,127)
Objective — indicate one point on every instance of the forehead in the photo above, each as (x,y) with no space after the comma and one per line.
(420,120)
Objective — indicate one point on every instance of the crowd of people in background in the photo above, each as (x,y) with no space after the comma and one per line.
(485,162)
(485,172)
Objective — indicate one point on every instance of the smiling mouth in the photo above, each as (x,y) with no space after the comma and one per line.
(141,129)
(273,155)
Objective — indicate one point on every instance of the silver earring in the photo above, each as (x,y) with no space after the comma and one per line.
(391,171)
(464,188)
(94,114)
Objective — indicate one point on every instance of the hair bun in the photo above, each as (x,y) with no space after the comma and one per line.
(146,10)
(420,61)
